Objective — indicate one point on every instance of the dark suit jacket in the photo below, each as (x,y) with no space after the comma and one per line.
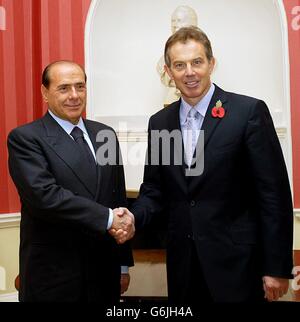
(66,253)
(238,211)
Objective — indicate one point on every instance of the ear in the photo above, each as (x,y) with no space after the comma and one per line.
(212,64)
(44,92)
(168,70)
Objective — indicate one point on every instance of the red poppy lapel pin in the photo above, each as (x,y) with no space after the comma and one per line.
(218,110)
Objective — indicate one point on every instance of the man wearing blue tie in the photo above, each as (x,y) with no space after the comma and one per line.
(69,201)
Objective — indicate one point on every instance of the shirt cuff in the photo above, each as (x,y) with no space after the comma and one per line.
(110,219)
(124,269)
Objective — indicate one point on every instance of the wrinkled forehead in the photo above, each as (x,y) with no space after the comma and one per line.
(66,73)
(187,50)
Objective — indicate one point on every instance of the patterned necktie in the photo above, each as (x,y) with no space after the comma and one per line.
(90,168)
(191,135)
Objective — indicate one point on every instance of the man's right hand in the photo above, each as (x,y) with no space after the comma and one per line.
(122,228)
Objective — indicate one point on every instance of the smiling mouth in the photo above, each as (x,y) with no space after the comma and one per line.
(192,84)
(73,106)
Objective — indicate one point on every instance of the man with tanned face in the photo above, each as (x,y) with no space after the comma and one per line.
(69,200)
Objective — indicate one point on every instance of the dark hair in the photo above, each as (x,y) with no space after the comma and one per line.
(183,35)
(46,72)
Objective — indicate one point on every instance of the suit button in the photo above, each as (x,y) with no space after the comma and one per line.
(193,203)
(190,236)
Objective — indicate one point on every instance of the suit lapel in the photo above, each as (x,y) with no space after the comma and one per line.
(65,148)
(174,124)
(209,126)
(93,131)
(210,123)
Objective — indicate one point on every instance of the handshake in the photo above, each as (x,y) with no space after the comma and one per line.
(122,228)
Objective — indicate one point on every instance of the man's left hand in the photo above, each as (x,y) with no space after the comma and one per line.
(275,287)
(125,280)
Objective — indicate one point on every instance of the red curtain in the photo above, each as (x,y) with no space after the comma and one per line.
(36,33)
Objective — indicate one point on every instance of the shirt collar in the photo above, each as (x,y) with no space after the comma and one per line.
(67,125)
(201,106)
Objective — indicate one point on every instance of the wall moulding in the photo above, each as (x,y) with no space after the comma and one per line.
(10,220)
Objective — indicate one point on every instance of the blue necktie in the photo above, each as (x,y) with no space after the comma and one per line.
(89,163)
